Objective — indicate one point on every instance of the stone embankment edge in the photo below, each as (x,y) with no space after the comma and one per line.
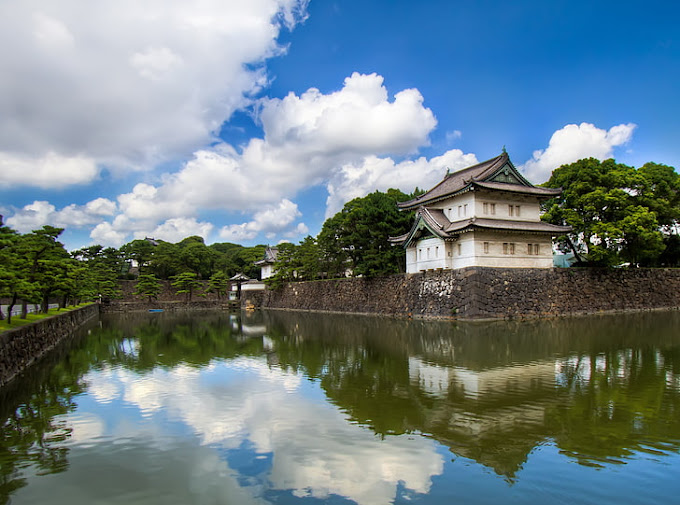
(21,347)
(168,306)
(479,294)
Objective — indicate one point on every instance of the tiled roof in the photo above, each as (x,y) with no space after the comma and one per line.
(457,181)
(437,223)
(518,188)
(478,176)
(270,255)
(507,225)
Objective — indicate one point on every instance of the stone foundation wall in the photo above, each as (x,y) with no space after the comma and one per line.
(22,346)
(480,293)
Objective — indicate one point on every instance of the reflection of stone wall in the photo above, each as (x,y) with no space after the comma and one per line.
(21,346)
(476,293)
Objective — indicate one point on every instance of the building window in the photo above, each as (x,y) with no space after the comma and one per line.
(534,249)
(492,208)
(450,213)
(465,209)
(511,210)
(508,248)
(428,253)
(420,254)
(460,209)
(530,249)
(517,210)
(436,252)
(486,208)
(537,249)
(459,249)
(505,248)
(486,248)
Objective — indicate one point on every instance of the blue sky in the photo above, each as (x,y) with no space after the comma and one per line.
(251,122)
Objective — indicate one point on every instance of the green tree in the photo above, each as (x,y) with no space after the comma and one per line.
(13,281)
(308,259)
(195,256)
(617,213)
(102,269)
(147,286)
(285,266)
(166,261)
(44,262)
(186,283)
(139,251)
(219,284)
(234,258)
(358,236)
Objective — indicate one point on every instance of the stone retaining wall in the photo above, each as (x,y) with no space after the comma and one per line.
(167,293)
(480,293)
(22,346)
(169,306)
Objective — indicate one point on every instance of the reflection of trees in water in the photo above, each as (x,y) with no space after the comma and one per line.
(620,401)
(600,387)
(32,406)
(31,430)
(494,391)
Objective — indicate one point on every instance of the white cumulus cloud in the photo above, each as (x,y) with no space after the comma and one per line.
(575,142)
(270,221)
(50,170)
(309,140)
(373,173)
(40,213)
(125,83)
(179,228)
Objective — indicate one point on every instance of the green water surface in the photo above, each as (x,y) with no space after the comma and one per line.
(288,408)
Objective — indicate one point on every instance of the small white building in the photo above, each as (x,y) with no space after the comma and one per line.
(266,264)
(486,215)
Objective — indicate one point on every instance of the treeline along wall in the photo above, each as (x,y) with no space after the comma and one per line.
(479,293)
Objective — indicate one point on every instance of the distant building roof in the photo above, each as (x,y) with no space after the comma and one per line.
(270,255)
(240,277)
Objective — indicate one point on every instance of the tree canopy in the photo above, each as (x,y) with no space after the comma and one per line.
(618,213)
(355,241)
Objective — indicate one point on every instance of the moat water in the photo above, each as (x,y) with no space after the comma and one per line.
(296,408)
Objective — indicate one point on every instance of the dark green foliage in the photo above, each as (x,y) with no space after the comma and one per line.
(139,251)
(618,213)
(355,241)
(234,259)
(186,283)
(219,284)
(286,265)
(148,286)
(357,238)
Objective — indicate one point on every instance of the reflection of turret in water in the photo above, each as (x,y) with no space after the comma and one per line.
(490,391)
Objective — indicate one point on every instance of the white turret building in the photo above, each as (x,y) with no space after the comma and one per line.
(486,215)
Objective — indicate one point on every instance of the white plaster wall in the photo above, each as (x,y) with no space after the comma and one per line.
(496,258)
(451,207)
(437,257)
(266,271)
(530,209)
(411,259)
(464,251)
